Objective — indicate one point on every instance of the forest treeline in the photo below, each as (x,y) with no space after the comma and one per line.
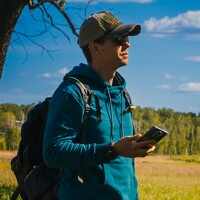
(183,128)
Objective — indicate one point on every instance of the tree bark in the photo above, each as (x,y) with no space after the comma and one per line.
(10,11)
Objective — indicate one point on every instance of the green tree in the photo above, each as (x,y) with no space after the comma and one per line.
(12,132)
(13,138)
(2,141)
(13,108)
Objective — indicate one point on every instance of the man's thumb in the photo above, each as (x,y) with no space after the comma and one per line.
(133,138)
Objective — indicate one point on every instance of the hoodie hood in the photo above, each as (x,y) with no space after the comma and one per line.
(88,74)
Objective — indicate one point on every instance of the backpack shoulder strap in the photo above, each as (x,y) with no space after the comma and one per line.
(85,91)
(127,97)
(130,107)
(86,94)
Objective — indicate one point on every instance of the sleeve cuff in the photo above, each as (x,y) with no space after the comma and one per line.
(101,151)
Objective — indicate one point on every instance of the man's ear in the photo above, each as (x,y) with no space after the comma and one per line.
(93,47)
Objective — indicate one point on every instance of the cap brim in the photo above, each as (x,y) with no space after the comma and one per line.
(126,29)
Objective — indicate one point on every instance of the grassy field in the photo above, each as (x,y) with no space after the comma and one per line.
(7,179)
(159,177)
(169,178)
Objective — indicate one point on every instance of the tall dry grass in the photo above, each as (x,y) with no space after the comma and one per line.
(166,178)
(159,177)
(6,174)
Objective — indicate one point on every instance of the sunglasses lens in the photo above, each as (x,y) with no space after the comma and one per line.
(120,41)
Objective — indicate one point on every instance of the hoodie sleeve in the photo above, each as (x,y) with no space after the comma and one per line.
(64,120)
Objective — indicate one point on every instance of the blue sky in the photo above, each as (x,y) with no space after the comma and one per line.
(164,60)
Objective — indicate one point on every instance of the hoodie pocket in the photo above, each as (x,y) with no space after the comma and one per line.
(120,178)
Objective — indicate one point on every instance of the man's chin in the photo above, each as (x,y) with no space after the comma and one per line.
(125,63)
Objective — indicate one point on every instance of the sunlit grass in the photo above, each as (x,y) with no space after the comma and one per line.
(8,182)
(159,177)
(164,178)
(149,191)
(6,174)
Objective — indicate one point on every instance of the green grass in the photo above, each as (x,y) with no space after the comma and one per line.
(159,177)
(6,191)
(7,180)
(168,178)
(168,192)
(189,159)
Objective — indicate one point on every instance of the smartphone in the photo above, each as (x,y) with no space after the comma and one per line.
(154,133)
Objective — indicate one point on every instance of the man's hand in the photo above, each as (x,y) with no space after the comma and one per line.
(128,147)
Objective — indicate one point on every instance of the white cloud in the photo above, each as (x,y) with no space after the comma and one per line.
(115,1)
(46,75)
(168,76)
(59,73)
(164,86)
(193,109)
(193,37)
(183,78)
(23,73)
(16,91)
(193,87)
(23,98)
(193,58)
(63,71)
(188,23)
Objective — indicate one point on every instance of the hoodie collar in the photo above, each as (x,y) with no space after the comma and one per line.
(89,74)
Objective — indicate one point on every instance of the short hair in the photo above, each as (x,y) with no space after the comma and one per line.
(86,50)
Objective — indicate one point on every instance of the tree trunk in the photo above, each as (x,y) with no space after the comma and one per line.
(10,11)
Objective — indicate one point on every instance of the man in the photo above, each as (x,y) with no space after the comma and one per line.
(103,167)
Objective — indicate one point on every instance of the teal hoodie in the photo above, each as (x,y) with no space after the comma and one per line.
(102,179)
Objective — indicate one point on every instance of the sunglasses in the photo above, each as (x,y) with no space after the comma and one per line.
(119,41)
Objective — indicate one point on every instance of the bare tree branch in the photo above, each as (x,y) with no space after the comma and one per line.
(53,25)
(10,10)
(58,7)
(44,49)
(65,16)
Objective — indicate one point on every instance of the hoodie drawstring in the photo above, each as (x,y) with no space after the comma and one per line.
(111,111)
(122,121)
(112,117)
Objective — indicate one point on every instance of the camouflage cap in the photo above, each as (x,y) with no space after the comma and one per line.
(104,23)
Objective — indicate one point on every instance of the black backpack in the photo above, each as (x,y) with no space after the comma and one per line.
(35,180)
